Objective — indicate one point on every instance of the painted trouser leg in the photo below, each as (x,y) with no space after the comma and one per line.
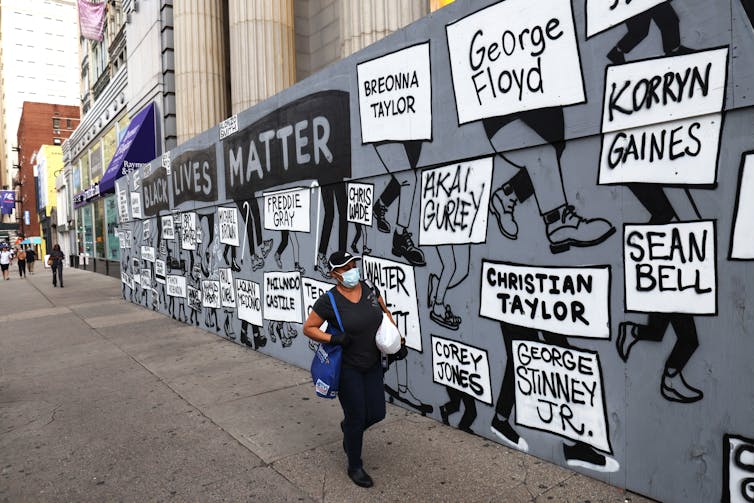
(454,260)
(453,405)
(363,401)
(666,20)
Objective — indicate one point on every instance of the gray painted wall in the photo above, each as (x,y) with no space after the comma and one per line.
(673,419)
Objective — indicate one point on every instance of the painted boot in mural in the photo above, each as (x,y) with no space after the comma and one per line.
(301,269)
(278,261)
(379,212)
(403,246)
(322,266)
(228,328)
(675,388)
(505,432)
(565,228)
(627,337)
(502,205)
(266,247)
(234,266)
(616,56)
(287,333)
(584,456)
(442,314)
(257,262)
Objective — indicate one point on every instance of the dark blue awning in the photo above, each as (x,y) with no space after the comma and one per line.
(136,148)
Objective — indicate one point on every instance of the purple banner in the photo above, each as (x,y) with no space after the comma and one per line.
(7,202)
(92,19)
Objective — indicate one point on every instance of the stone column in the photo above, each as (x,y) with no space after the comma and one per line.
(262,50)
(363,22)
(200,73)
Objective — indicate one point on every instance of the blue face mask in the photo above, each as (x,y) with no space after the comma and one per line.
(350,278)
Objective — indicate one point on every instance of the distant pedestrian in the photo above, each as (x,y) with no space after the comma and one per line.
(361,391)
(21,259)
(56,259)
(31,257)
(6,257)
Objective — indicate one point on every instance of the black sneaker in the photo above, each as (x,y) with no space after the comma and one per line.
(503,430)
(379,212)
(584,456)
(360,477)
(403,246)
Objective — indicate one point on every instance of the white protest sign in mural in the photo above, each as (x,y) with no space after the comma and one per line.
(227,295)
(282,296)
(662,119)
(146,230)
(395,96)
(160,271)
(228,218)
(560,390)
(462,367)
(738,469)
(455,202)
(168,230)
(670,268)
(211,294)
(360,202)
(604,14)
(147,253)
(287,210)
(397,285)
(136,204)
(742,239)
(146,279)
(176,286)
(127,280)
(571,301)
(122,203)
(189,237)
(194,296)
(249,301)
(514,56)
(312,290)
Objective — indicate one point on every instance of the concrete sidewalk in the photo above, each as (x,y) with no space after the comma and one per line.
(101,400)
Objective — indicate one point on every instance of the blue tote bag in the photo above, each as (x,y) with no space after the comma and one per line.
(326,362)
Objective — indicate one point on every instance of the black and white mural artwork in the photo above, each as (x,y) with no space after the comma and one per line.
(555,199)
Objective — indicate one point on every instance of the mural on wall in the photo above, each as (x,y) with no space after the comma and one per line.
(500,146)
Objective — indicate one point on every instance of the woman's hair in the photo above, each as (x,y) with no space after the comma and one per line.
(56,247)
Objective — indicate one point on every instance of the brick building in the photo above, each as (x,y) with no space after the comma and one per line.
(40,124)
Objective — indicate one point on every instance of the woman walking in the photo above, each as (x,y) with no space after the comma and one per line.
(21,258)
(361,392)
(56,257)
(6,257)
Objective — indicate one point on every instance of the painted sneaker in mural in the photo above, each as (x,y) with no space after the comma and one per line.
(257,262)
(298,267)
(322,266)
(502,206)
(565,228)
(627,337)
(675,388)
(584,456)
(403,246)
(505,432)
(443,315)
(266,247)
(379,212)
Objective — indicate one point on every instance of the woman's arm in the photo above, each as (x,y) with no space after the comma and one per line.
(312,330)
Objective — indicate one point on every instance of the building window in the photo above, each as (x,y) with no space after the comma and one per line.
(86,244)
(55,123)
(111,218)
(100,231)
(68,123)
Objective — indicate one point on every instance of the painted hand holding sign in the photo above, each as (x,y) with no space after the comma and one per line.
(560,390)
(455,201)
(398,288)
(662,120)
(671,268)
(562,300)
(395,96)
(514,56)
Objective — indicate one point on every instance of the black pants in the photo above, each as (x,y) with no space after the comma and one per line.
(332,195)
(362,397)
(638,28)
(22,268)
(57,269)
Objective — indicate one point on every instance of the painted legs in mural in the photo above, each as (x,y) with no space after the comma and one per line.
(454,260)
(666,20)
(395,157)
(361,231)
(249,209)
(401,373)
(564,227)
(673,386)
(258,339)
(454,405)
(579,454)
(284,239)
(332,195)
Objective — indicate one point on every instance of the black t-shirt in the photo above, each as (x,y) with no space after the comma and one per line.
(360,321)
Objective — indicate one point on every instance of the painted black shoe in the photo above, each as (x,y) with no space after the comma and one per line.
(584,456)
(403,246)
(675,388)
(234,266)
(503,430)
(379,212)
(444,415)
(360,477)
(616,56)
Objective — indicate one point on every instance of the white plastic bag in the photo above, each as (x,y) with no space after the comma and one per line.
(388,338)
